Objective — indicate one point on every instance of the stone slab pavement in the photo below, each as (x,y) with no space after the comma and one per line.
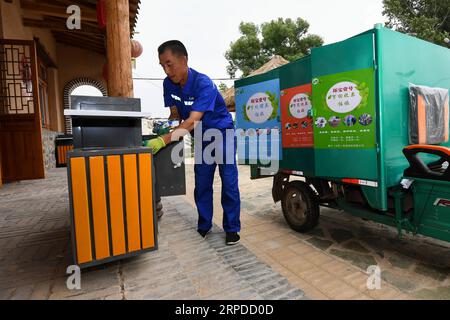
(331,261)
(35,251)
(272,261)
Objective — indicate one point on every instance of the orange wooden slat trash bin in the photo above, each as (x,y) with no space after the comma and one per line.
(111,181)
(112,201)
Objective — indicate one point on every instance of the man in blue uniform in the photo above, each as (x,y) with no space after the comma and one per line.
(195,98)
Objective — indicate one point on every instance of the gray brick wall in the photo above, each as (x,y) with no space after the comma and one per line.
(48,144)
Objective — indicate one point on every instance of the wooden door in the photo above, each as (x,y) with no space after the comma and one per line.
(20,120)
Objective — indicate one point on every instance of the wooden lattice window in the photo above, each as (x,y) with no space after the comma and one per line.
(16,79)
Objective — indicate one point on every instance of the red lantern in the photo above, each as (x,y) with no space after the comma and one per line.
(101,14)
(136,49)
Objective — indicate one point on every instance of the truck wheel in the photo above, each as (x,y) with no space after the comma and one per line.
(300,206)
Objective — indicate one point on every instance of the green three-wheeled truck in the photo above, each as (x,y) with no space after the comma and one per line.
(364,123)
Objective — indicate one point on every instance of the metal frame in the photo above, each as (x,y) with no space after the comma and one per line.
(380,132)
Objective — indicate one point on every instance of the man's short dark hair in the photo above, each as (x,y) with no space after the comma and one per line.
(177,47)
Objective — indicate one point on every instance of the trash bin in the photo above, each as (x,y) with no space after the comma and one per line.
(111,181)
(63,144)
(170,176)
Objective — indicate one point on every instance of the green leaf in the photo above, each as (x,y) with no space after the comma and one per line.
(289,110)
(244,109)
(426,19)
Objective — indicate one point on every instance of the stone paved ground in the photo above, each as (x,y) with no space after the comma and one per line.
(331,261)
(273,262)
(35,252)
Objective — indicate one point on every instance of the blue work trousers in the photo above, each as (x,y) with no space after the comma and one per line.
(203,193)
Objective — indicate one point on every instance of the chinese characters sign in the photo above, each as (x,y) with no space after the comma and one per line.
(259,108)
(345,110)
(296,117)
(257,115)
(343,97)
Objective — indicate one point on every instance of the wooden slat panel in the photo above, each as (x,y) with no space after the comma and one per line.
(81,210)
(99,210)
(132,207)
(116,205)
(24,163)
(59,25)
(146,195)
(64,155)
(59,149)
(66,150)
(55,10)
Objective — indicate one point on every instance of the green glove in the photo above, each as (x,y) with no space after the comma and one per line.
(162,131)
(155,144)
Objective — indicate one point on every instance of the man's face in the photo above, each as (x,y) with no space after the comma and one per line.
(174,65)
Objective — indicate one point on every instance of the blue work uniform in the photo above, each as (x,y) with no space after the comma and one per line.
(201,94)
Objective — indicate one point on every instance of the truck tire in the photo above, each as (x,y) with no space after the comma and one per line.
(300,206)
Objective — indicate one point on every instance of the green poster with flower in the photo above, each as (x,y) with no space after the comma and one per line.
(344,110)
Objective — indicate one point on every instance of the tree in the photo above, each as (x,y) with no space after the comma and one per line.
(246,53)
(425,19)
(223,87)
(258,44)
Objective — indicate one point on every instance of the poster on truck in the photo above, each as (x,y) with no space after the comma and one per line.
(344,110)
(296,117)
(258,121)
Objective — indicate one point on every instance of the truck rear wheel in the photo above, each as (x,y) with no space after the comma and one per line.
(300,206)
